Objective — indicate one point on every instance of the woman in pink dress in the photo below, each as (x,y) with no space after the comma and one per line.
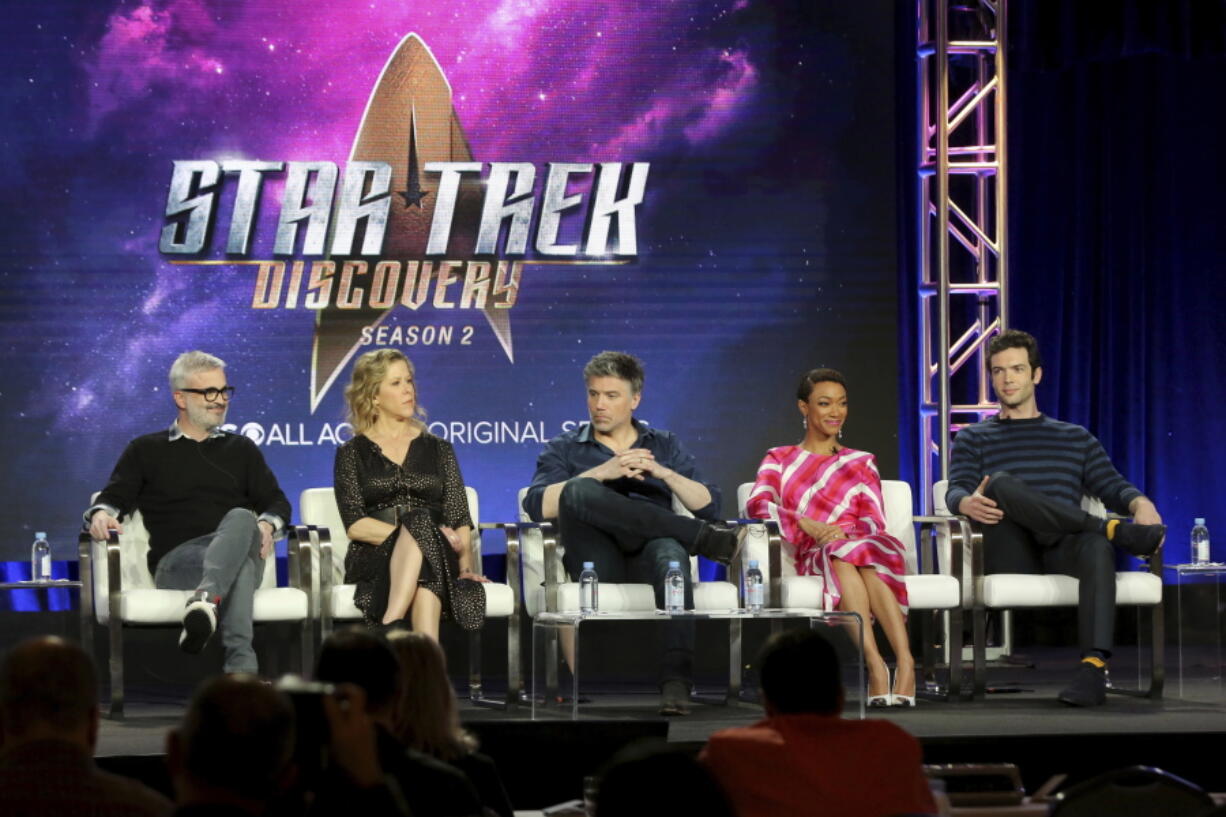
(827,501)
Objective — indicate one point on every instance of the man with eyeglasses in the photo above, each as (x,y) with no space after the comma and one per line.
(211,505)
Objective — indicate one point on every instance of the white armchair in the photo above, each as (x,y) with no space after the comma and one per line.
(553,591)
(548,588)
(122,593)
(335,598)
(933,583)
(1012,591)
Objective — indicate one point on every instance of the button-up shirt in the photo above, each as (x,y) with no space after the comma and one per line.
(576,451)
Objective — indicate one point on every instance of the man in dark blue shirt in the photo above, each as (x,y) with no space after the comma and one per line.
(611,485)
(1022,475)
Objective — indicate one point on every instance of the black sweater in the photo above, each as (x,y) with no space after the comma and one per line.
(184,488)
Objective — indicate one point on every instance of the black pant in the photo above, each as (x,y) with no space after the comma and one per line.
(1042,535)
(632,540)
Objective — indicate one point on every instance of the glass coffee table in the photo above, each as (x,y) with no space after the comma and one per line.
(549,628)
(1198,607)
(84,603)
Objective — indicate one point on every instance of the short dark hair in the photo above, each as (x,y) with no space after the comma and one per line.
(799,672)
(1015,339)
(815,376)
(357,656)
(238,735)
(616,364)
(651,778)
(46,681)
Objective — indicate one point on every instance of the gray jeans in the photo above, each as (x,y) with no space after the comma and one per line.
(226,564)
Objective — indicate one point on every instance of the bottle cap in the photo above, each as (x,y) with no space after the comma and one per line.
(674,564)
(753,562)
(1200,520)
(40,535)
(589,565)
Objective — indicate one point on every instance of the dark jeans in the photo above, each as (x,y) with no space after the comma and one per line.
(1042,535)
(225,563)
(632,540)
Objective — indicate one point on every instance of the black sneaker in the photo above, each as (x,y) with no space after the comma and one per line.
(1089,687)
(720,543)
(199,623)
(674,698)
(1139,540)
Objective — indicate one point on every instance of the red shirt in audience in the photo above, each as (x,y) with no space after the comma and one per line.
(820,764)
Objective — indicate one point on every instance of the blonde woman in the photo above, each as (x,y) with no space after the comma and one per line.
(427,719)
(401,498)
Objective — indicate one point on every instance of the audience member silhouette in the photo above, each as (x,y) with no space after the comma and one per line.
(430,787)
(428,720)
(48,731)
(803,758)
(233,754)
(651,779)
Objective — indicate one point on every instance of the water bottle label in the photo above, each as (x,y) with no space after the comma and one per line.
(44,567)
(756,595)
(674,596)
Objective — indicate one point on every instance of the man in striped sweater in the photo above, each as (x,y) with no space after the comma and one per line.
(1022,475)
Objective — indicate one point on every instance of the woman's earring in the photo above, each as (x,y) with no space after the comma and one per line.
(840,434)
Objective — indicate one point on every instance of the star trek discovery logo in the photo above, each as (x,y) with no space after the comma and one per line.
(413,220)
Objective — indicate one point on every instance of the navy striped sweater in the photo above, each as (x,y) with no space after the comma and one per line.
(1062,460)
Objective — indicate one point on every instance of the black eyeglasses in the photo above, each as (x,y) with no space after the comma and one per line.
(211,395)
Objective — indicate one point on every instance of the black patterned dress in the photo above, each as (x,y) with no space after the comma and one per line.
(420,494)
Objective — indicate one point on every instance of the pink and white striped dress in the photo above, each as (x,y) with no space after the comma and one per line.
(842,489)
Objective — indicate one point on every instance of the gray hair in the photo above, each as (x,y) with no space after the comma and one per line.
(616,364)
(190,363)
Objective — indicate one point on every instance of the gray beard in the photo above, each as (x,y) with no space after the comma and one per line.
(204,418)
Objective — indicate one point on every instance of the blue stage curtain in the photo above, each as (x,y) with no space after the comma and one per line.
(1117,226)
(1117,163)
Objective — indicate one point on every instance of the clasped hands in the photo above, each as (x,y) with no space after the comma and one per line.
(633,463)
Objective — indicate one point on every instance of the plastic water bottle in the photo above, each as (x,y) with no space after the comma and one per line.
(674,589)
(40,558)
(1200,541)
(589,589)
(755,590)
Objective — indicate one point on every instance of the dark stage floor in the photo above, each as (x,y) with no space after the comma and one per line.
(1024,705)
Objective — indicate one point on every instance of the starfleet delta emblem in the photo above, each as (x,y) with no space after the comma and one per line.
(412,222)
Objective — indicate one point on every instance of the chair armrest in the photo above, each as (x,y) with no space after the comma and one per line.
(1155,562)
(298,555)
(551,561)
(114,577)
(85,572)
(511,530)
(320,537)
(960,531)
(774,559)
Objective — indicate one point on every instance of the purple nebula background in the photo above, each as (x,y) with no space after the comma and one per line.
(766,238)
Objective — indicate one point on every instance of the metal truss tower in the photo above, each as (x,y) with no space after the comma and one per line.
(963,269)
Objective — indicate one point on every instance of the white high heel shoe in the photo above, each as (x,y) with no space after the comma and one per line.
(887,699)
(900,700)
